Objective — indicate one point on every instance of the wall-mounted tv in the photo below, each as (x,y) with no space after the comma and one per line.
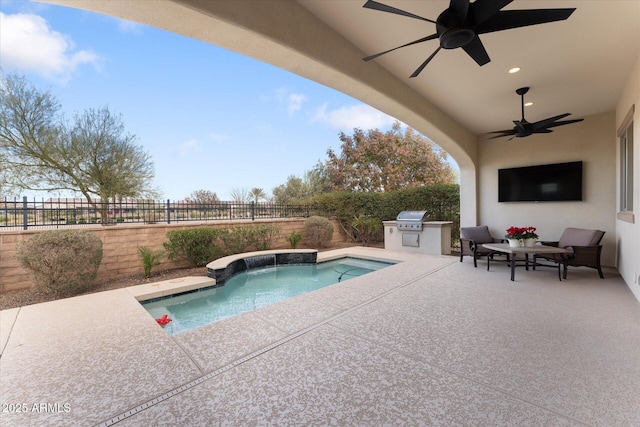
(542,183)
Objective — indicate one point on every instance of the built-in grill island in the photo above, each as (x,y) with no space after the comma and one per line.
(411,232)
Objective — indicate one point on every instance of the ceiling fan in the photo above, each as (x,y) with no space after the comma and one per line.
(461,23)
(523,128)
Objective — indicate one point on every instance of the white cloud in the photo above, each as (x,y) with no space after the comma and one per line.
(28,44)
(291,100)
(188,147)
(295,101)
(352,116)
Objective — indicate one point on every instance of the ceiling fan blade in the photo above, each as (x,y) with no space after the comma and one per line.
(565,122)
(475,49)
(503,131)
(541,124)
(460,8)
(542,131)
(507,19)
(424,39)
(503,135)
(424,64)
(519,126)
(370,4)
(484,9)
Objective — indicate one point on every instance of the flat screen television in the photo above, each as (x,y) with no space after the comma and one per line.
(542,183)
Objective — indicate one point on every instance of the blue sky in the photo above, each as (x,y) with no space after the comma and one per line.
(210,118)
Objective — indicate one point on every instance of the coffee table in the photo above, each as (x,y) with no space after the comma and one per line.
(515,251)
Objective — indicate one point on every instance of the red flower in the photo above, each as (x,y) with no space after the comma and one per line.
(521,232)
(164,320)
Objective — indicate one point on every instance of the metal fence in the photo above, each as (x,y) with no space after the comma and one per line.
(64,212)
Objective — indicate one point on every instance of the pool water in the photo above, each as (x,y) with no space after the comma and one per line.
(253,289)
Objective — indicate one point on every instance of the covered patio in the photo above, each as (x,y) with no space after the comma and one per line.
(429,341)
(587,65)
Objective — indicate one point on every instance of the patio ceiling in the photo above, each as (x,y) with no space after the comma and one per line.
(579,65)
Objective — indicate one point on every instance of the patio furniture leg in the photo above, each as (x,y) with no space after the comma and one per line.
(513,267)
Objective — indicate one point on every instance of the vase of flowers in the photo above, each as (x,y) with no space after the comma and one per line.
(514,236)
(529,237)
(521,236)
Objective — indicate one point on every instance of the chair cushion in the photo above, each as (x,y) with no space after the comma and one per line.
(579,237)
(480,234)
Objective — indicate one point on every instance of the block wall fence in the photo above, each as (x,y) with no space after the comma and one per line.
(120,246)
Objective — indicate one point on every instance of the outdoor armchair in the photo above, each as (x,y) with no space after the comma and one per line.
(471,240)
(585,250)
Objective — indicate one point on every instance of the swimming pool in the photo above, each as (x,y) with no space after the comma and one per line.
(253,289)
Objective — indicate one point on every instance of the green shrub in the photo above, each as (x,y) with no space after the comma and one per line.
(441,201)
(197,246)
(149,258)
(265,236)
(367,229)
(62,262)
(318,231)
(237,239)
(294,239)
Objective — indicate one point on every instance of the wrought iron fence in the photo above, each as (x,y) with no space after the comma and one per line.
(63,212)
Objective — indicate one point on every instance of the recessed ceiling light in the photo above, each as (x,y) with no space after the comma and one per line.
(514,70)
(528,104)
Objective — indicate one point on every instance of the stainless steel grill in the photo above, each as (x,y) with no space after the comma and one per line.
(411,220)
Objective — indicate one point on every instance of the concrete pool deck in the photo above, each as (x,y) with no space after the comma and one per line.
(429,341)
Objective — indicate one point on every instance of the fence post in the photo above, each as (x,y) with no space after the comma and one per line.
(25,217)
(168,211)
(253,211)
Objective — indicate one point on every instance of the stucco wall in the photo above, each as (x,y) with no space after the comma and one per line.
(628,233)
(591,141)
(120,246)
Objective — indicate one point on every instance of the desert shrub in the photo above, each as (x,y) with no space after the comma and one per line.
(265,236)
(318,231)
(367,229)
(237,239)
(197,246)
(62,262)
(149,258)
(294,239)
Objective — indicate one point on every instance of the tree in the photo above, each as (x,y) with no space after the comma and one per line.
(203,197)
(376,161)
(318,179)
(240,195)
(93,156)
(257,194)
(294,189)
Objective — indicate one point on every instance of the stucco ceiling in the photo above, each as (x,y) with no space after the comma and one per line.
(578,66)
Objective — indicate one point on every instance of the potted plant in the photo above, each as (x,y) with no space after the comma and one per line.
(514,236)
(521,236)
(529,237)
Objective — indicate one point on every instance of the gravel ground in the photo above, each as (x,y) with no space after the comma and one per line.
(31,296)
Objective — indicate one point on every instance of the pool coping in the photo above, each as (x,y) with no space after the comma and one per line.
(149,291)
(224,268)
